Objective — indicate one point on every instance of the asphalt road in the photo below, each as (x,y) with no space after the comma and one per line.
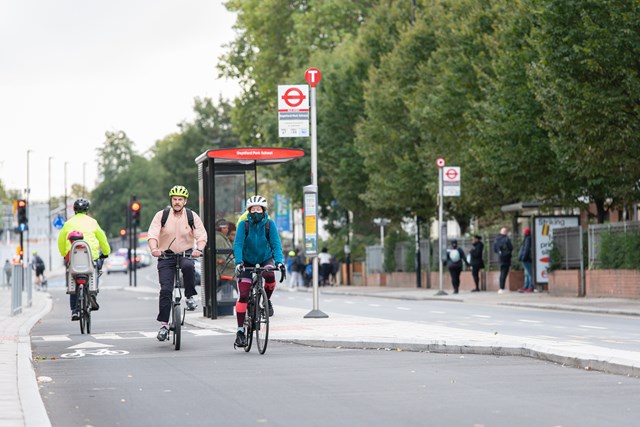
(122,376)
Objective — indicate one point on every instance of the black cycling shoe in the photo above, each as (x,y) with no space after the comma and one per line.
(94,303)
(241,341)
(75,315)
(270,308)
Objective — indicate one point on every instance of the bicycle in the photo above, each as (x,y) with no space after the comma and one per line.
(82,279)
(257,316)
(176,316)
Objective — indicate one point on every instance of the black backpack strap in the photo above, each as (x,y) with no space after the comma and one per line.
(190,218)
(165,215)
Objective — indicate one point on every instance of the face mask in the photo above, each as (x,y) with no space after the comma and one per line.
(256,217)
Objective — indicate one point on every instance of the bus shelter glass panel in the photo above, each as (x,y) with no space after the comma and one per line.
(229,203)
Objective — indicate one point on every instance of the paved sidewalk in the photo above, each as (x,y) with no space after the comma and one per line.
(21,404)
(20,401)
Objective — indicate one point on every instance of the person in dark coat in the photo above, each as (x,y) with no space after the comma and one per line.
(524,257)
(476,260)
(503,247)
(455,259)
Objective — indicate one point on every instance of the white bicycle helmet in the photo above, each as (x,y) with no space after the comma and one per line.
(257,201)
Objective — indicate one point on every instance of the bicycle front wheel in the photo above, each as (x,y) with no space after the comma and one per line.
(248,325)
(262,320)
(177,326)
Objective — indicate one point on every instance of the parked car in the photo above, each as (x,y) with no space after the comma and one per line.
(117,264)
(143,257)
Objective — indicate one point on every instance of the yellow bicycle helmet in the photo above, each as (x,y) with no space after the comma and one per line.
(180,191)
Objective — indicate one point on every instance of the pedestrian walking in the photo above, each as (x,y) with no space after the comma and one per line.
(476,260)
(297,269)
(524,256)
(324,265)
(503,247)
(8,269)
(455,259)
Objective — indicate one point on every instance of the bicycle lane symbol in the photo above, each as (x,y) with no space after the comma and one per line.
(90,348)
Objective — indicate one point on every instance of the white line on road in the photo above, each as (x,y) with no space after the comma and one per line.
(592,327)
(375,305)
(530,321)
(482,316)
(404,308)
(437,312)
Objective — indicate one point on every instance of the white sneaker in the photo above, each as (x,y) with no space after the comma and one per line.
(501,291)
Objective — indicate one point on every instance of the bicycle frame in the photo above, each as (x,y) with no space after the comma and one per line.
(176,319)
(257,315)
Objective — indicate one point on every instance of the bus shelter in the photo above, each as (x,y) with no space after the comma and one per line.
(226,178)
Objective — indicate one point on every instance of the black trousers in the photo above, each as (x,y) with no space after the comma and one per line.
(455,278)
(167,277)
(475,273)
(504,271)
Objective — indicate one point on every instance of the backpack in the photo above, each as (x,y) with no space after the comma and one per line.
(165,215)
(39,263)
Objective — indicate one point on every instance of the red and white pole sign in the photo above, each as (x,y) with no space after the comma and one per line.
(440,162)
(293,111)
(451,181)
(313,76)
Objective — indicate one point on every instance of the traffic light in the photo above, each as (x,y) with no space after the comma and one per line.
(135,212)
(22,215)
(123,232)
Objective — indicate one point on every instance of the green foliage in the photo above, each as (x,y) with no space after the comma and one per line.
(619,251)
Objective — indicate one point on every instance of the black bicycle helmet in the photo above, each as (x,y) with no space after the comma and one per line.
(81,205)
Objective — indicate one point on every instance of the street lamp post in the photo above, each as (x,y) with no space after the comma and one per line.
(65,191)
(50,219)
(381,222)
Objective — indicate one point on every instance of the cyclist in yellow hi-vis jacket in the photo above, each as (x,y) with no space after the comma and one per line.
(92,234)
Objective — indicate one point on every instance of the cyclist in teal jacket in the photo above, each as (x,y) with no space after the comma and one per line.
(258,244)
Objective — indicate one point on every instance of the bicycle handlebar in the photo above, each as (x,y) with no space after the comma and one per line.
(171,254)
(261,269)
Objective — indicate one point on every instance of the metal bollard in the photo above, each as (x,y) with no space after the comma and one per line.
(16,289)
(29,285)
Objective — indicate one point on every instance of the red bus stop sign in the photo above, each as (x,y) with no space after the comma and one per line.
(312,76)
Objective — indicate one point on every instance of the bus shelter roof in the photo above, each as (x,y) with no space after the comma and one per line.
(251,155)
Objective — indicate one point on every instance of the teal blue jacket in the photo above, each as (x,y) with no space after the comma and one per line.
(254,248)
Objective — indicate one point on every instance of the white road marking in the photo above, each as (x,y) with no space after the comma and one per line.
(437,312)
(530,321)
(403,308)
(482,316)
(54,338)
(89,344)
(592,327)
(375,305)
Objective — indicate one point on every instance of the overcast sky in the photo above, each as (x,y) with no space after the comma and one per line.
(72,69)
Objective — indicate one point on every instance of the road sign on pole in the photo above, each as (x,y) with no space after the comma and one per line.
(293,111)
(451,181)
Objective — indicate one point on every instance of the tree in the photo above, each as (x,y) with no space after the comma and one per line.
(587,80)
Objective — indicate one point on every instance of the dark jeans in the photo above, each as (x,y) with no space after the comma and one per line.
(455,278)
(475,273)
(167,277)
(504,271)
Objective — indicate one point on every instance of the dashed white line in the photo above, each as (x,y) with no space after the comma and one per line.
(482,316)
(375,305)
(437,312)
(403,308)
(529,321)
(592,327)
